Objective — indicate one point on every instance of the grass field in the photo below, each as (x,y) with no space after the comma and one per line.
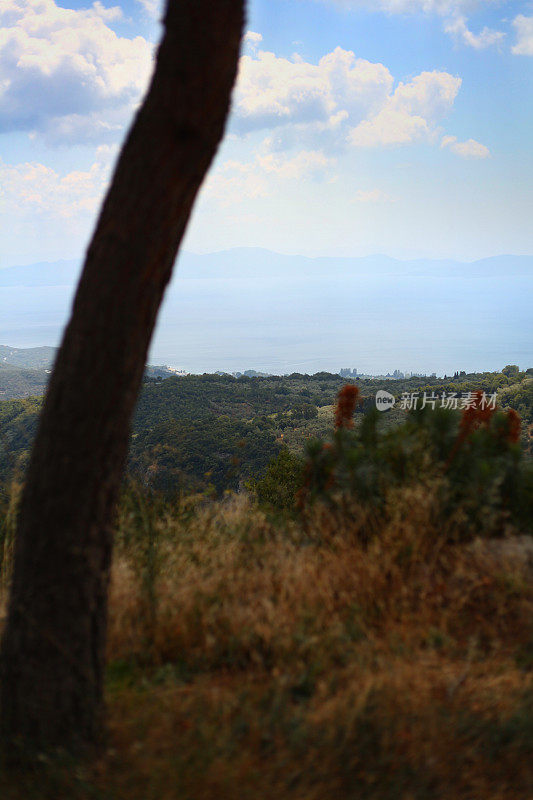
(256,658)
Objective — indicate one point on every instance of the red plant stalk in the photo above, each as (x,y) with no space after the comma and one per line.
(346,403)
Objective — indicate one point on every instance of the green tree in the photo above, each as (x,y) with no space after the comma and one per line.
(511,371)
(281,482)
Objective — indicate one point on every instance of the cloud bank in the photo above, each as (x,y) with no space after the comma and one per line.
(458,28)
(341,101)
(236,182)
(36,189)
(310,115)
(65,73)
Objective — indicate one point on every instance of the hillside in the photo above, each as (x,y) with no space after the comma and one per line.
(24,371)
(345,617)
(28,357)
(17,383)
(375,644)
(217,431)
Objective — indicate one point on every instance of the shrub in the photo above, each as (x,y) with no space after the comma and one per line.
(475,457)
(281,482)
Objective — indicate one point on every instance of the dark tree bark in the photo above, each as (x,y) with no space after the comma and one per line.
(52,656)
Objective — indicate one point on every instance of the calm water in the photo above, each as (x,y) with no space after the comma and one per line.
(374,323)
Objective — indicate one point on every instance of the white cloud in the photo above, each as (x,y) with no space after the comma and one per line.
(410,113)
(389,127)
(65,73)
(430,94)
(524,36)
(372,196)
(305,163)
(252,38)
(273,92)
(153,7)
(341,100)
(458,28)
(452,11)
(236,181)
(37,189)
(468,149)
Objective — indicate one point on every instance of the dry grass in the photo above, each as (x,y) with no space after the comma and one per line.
(300,665)
(255,659)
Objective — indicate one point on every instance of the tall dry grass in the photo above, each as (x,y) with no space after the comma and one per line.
(255,658)
(294,663)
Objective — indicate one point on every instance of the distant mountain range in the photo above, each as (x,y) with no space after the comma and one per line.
(246,263)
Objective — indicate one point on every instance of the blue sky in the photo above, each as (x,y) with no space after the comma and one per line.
(393,126)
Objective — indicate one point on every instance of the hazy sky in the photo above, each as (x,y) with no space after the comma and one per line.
(358,126)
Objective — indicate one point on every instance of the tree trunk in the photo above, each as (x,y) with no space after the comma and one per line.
(53,649)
